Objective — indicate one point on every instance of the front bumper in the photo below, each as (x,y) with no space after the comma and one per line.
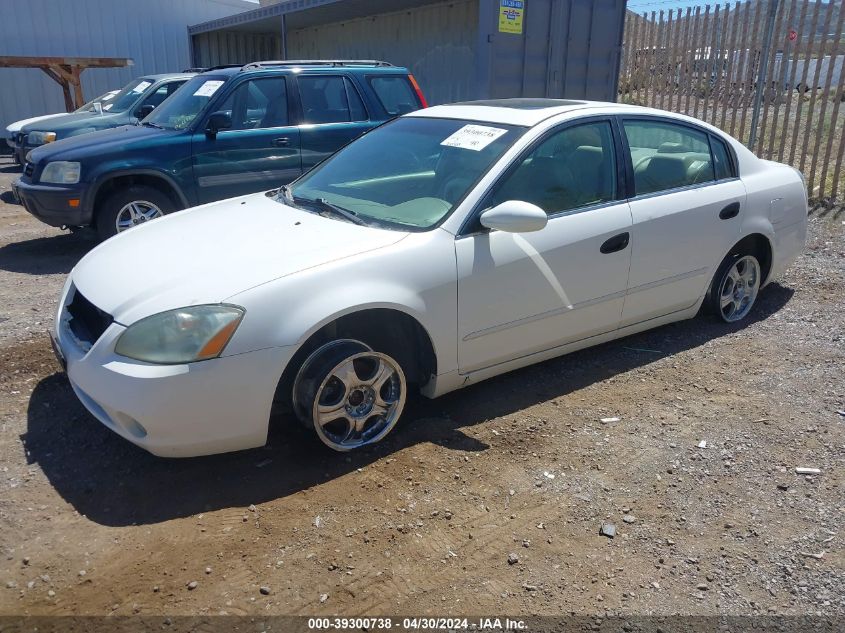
(203,408)
(51,203)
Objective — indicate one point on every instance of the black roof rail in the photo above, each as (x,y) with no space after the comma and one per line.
(200,69)
(315,62)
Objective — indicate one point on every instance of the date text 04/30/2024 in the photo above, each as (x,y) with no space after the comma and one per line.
(418,624)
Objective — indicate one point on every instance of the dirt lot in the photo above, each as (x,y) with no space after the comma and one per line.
(425,523)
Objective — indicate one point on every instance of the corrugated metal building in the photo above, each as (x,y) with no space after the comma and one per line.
(457,50)
(152,32)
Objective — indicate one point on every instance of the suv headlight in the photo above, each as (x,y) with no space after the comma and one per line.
(40,138)
(61,172)
(181,336)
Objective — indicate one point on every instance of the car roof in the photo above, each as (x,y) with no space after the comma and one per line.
(524,112)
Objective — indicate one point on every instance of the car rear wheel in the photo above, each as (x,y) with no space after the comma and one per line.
(131,207)
(735,287)
(349,394)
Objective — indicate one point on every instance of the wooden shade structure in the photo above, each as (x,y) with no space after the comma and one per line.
(66,71)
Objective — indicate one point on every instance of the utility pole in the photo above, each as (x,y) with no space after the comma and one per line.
(764,68)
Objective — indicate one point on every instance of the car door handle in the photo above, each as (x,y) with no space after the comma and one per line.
(730,211)
(615,243)
(282,141)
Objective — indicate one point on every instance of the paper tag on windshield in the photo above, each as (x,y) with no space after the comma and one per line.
(474,137)
(208,88)
(142,86)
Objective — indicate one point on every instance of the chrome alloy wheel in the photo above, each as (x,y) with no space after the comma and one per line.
(739,288)
(359,401)
(135,213)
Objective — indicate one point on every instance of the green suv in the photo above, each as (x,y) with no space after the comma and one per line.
(224,133)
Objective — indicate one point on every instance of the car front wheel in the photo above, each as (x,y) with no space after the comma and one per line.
(735,287)
(349,394)
(131,207)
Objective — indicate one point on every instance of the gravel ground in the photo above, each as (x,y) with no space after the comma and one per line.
(489,500)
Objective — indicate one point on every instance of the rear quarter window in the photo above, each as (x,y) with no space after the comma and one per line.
(395,93)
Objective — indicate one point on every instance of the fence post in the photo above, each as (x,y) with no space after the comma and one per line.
(764,68)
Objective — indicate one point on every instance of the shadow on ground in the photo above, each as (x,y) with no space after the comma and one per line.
(45,255)
(114,483)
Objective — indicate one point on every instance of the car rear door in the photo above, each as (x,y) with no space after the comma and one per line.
(261,149)
(522,293)
(686,205)
(332,114)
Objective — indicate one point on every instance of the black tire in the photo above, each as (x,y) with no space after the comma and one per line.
(361,407)
(720,285)
(107,213)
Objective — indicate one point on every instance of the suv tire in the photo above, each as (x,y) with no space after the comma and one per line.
(130,207)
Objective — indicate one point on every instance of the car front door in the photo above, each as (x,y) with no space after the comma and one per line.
(333,114)
(258,152)
(687,205)
(521,293)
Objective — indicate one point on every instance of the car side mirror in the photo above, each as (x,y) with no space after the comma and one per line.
(515,216)
(218,121)
(145,110)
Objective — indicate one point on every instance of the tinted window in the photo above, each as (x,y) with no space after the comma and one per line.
(330,100)
(721,159)
(572,168)
(396,94)
(258,103)
(161,93)
(666,155)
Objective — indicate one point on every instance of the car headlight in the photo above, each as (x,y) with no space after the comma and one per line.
(40,138)
(181,336)
(61,172)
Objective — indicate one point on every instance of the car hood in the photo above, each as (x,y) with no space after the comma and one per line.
(99,143)
(66,123)
(209,253)
(18,125)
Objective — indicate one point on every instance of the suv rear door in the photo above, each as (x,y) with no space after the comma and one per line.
(261,149)
(332,114)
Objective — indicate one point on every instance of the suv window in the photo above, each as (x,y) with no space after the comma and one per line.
(667,155)
(330,100)
(161,93)
(258,103)
(395,93)
(721,158)
(572,168)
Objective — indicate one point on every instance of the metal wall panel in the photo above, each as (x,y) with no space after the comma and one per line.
(152,32)
(436,42)
(569,49)
(235,47)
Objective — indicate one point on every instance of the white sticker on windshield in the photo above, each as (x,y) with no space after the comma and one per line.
(142,86)
(474,137)
(208,88)
(108,106)
(108,97)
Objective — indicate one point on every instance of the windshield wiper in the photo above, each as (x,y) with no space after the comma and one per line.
(325,205)
(151,124)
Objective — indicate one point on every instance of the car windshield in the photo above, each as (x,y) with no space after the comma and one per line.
(409,173)
(104,99)
(186,103)
(128,95)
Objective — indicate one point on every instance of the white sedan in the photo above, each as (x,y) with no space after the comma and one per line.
(445,247)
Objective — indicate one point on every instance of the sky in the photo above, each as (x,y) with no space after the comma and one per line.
(665,5)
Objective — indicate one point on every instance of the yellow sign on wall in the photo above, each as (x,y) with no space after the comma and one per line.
(511,13)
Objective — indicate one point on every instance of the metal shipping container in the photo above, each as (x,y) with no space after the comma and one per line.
(457,50)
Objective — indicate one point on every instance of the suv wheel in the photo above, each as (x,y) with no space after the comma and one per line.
(131,207)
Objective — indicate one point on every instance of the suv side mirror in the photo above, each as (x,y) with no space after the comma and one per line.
(145,110)
(515,216)
(218,121)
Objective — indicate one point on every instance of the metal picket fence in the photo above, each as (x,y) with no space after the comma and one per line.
(769,72)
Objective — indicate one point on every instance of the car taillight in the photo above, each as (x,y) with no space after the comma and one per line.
(420,95)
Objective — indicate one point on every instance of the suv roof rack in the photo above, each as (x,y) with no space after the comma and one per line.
(315,62)
(202,69)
